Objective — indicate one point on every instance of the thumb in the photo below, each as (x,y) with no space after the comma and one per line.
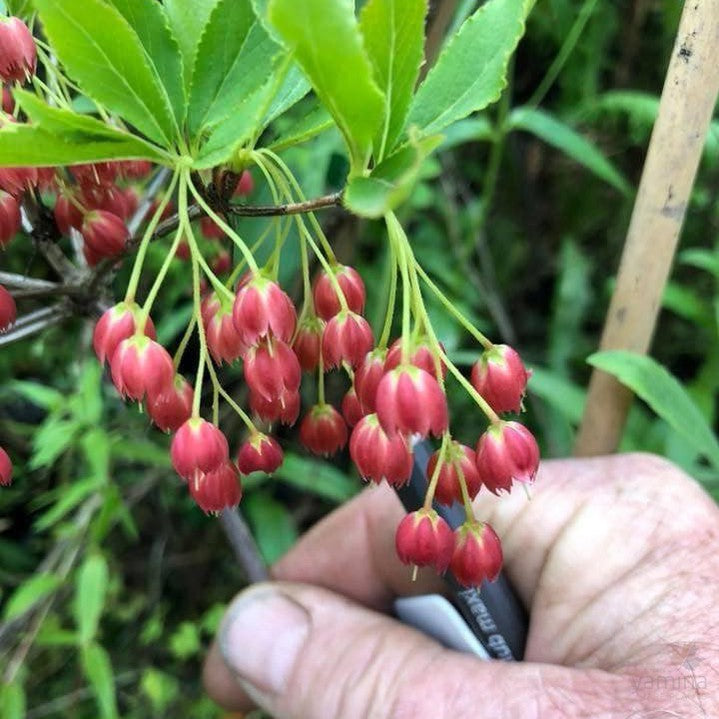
(301,652)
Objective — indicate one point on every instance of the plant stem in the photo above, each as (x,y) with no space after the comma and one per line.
(391,299)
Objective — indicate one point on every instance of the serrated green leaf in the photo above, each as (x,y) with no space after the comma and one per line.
(312,124)
(228,135)
(188,19)
(74,127)
(292,89)
(272,525)
(162,51)
(27,145)
(472,129)
(471,71)
(90,589)
(97,668)
(96,446)
(12,701)
(67,500)
(234,59)
(664,394)
(104,55)
(393,32)
(39,394)
(554,132)
(391,182)
(30,593)
(320,478)
(319,35)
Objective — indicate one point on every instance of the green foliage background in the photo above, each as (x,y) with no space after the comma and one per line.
(521,216)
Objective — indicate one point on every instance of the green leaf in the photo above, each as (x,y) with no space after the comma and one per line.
(141,452)
(234,59)
(90,589)
(327,44)
(185,641)
(228,135)
(72,126)
(391,182)
(664,394)
(471,71)
(12,701)
(162,51)
(558,392)
(320,478)
(472,129)
(312,124)
(272,525)
(27,145)
(98,670)
(40,395)
(68,499)
(103,53)
(30,593)
(554,132)
(393,32)
(188,19)
(53,438)
(293,88)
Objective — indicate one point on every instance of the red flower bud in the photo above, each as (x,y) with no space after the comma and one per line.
(322,430)
(223,340)
(105,234)
(95,173)
(222,263)
(368,376)
(307,343)
(5,469)
(424,539)
(458,459)
(284,409)
(172,407)
(136,169)
(210,229)
(198,447)
(379,456)
(507,451)
(140,366)
(501,378)
(245,185)
(327,303)
(477,554)
(351,408)
(8,310)
(9,218)
(261,308)
(15,180)
(260,453)
(420,355)
(67,215)
(271,369)
(108,198)
(216,490)
(117,324)
(347,337)
(410,401)
(18,53)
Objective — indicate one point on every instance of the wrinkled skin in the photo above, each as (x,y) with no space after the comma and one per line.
(616,557)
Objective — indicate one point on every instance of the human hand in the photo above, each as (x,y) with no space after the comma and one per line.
(616,558)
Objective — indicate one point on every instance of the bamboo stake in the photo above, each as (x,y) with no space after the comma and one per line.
(688,98)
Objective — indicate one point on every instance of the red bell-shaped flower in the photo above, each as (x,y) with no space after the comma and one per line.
(5,469)
(351,408)
(272,369)
(18,54)
(501,378)
(378,455)
(306,344)
(477,554)
(117,324)
(323,430)
(284,409)
(410,401)
(260,453)
(420,355)
(216,490)
(424,539)
(140,366)
(327,303)
(8,310)
(223,340)
(172,407)
(9,218)
(67,214)
(506,452)
(347,337)
(198,447)
(262,308)
(458,460)
(105,233)
(368,376)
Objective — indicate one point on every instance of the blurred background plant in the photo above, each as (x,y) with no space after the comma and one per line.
(113,581)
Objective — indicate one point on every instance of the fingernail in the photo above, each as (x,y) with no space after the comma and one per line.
(261,638)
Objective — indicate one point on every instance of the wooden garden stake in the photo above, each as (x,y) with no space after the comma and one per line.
(685,110)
